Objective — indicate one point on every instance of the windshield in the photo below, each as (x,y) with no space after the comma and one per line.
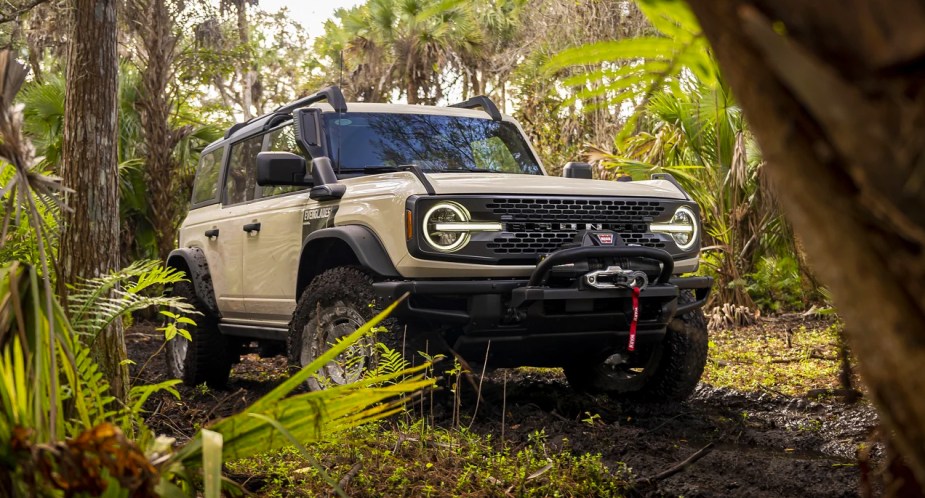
(437,144)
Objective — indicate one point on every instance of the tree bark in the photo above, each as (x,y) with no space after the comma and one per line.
(89,244)
(153,22)
(249,76)
(835,93)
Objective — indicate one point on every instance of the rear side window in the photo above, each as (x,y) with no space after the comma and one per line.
(241,179)
(205,186)
(282,140)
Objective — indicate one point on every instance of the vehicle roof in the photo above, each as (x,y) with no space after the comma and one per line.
(257,124)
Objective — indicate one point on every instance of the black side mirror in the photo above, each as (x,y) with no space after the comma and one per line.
(326,186)
(281,168)
(577,170)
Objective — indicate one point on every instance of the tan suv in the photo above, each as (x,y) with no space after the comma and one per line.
(307,220)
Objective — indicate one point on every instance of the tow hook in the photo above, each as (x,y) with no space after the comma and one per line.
(615,277)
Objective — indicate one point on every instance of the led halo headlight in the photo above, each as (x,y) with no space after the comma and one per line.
(682,227)
(443,213)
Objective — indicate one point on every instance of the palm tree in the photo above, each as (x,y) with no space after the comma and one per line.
(44,123)
(701,137)
(403,45)
(685,121)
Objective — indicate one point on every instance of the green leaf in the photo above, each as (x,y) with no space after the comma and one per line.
(211,463)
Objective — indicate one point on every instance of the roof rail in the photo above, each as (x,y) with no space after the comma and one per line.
(481,101)
(332,94)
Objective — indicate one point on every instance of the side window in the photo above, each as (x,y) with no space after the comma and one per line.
(282,140)
(241,179)
(205,186)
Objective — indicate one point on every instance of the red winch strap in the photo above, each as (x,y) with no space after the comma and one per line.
(632,344)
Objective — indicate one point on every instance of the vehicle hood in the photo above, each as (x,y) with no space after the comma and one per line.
(504,184)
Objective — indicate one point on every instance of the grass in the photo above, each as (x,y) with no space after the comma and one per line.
(784,358)
(409,458)
(412,460)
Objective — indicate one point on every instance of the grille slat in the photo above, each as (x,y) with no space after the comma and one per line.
(541,226)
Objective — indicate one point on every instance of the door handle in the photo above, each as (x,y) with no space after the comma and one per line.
(212,233)
(252,227)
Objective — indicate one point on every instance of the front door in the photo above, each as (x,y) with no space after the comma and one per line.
(271,254)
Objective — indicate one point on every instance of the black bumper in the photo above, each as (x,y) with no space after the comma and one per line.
(529,322)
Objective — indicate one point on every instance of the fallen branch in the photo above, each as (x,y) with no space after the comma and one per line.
(819,356)
(349,475)
(222,402)
(18,11)
(702,452)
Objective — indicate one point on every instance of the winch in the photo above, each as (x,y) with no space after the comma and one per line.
(616,277)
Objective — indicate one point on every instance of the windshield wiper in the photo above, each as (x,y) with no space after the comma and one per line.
(372,169)
(466,170)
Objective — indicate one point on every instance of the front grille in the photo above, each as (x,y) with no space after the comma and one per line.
(576,210)
(543,225)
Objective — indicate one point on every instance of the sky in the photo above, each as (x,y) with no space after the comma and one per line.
(310,13)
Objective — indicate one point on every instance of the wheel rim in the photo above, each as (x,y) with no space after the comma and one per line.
(179,348)
(331,327)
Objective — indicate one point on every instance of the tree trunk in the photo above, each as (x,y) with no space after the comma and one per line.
(412,90)
(249,76)
(89,244)
(153,21)
(835,94)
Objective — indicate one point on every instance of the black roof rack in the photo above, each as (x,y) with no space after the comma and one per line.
(332,94)
(481,101)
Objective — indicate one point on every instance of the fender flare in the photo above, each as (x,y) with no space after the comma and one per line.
(193,261)
(366,246)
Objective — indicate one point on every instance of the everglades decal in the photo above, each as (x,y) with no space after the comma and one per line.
(318,213)
(317,218)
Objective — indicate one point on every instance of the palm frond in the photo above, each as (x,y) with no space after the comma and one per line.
(308,416)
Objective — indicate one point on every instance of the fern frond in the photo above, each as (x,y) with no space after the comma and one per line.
(389,362)
(97,302)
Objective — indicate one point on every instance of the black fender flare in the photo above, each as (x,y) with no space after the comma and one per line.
(366,246)
(193,261)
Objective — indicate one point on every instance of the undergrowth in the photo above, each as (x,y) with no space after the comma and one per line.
(396,459)
(780,358)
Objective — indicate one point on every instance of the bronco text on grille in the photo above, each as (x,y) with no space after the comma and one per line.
(542,225)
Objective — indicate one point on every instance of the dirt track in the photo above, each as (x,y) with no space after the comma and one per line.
(763,444)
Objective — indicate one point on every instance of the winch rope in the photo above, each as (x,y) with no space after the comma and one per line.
(632,344)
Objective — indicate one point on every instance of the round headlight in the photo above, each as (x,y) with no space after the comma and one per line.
(682,228)
(445,241)
(685,219)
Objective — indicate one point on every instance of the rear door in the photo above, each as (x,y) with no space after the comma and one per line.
(226,250)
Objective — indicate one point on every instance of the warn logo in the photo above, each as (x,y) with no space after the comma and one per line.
(606,239)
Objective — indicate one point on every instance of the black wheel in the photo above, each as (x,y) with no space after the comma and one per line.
(669,373)
(205,358)
(336,303)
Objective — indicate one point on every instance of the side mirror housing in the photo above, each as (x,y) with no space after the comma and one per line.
(281,168)
(326,185)
(577,170)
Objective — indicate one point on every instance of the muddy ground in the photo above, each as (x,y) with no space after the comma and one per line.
(763,444)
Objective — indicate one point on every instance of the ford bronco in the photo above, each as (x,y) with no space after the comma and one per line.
(306,221)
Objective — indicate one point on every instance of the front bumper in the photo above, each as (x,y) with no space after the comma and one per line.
(530,322)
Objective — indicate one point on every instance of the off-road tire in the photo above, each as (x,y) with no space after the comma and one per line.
(206,358)
(340,297)
(672,370)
